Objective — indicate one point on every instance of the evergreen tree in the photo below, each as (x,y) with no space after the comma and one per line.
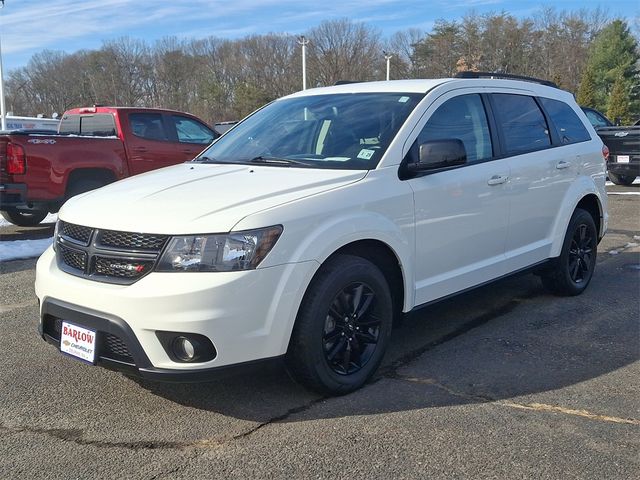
(619,102)
(587,90)
(614,53)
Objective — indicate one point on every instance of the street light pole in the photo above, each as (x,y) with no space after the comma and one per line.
(304,42)
(3,114)
(388,58)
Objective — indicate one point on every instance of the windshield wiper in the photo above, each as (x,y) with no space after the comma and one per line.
(277,161)
(208,160)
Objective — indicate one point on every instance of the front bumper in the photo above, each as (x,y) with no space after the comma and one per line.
(248,316)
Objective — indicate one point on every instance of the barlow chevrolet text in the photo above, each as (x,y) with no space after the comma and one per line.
(306,229)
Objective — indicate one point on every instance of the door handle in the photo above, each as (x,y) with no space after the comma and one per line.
(562,164)
(498,179)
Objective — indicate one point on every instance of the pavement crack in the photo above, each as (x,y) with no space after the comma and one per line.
(16,306)
(75,435)
(281,418)
(535,407)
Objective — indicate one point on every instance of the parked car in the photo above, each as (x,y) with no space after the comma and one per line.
(623,162)
(305,230)
(95,146)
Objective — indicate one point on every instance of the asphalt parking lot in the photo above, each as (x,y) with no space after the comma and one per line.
(506,381)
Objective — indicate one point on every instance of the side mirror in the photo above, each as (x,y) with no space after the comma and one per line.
(439,154)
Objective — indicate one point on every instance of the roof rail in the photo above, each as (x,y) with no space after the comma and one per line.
(506,76)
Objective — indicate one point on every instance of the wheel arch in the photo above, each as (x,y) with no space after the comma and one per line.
(582,195)
(87,174)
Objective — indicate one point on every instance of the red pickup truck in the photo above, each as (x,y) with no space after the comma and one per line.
(93,147)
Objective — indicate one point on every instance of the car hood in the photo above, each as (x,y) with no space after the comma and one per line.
(198,198)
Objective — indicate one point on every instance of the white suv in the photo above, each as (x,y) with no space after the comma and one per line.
(305,229)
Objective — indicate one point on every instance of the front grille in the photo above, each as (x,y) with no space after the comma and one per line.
(130,240)
(115,267)
(76,232)
(73,258)
(109,256)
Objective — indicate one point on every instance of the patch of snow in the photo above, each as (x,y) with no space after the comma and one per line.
(614,252)
(23,248)
(51,218)
(623,193)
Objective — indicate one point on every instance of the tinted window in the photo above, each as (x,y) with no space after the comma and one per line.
(98,125)
(463,118)
(567,123)
(148,125)
(523,125)
(190,131)
(336,131)
(596,119)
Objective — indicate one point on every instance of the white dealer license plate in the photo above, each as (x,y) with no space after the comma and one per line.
(78,342)
(622,158)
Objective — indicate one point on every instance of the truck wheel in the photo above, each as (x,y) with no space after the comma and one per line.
(621,179)
(23,218)
(343,326)
(573,269)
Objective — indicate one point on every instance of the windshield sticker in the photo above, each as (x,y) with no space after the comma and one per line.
(366,154)
(403,99)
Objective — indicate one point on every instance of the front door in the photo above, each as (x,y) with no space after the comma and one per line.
(461,215)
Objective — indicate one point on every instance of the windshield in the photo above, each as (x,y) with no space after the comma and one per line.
(345,131)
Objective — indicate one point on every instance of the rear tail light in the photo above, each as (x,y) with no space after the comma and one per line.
(16,164)
(605,153)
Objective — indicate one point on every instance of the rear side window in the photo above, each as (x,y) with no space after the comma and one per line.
(98,125)
(462,118)
(190,131)
(523,125)
(569,126)
(148,125)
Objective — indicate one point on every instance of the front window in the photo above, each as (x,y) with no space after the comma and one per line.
(345,131)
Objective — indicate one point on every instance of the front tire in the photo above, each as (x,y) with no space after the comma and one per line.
(343,326)
(621,179)
(24,218)
(572,271)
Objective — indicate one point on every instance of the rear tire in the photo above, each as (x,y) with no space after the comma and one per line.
(572,270)
(621,179)
(343,327)
(24,218)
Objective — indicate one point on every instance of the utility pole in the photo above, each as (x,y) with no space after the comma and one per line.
(3,113)
(304,42)
(388,58)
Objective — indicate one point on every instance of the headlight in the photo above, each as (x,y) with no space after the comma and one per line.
(218,253)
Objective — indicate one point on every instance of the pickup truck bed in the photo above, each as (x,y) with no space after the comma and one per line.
(623,165)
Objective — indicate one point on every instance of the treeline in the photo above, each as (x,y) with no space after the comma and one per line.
(219,79)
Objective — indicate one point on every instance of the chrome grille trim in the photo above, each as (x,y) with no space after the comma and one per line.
(108,256)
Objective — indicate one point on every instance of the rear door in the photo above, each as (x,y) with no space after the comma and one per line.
(149,142)
(543,163)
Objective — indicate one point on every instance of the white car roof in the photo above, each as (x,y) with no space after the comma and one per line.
(424,85)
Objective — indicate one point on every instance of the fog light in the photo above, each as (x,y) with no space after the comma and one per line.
(184,349)
(187,347)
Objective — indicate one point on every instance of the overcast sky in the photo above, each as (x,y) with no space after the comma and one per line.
(29,26)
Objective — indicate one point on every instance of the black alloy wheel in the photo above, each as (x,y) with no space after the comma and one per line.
(343,326)
(571,272)
(581,253)
(351,329)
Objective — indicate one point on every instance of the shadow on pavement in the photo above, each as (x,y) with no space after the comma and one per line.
(500,341)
